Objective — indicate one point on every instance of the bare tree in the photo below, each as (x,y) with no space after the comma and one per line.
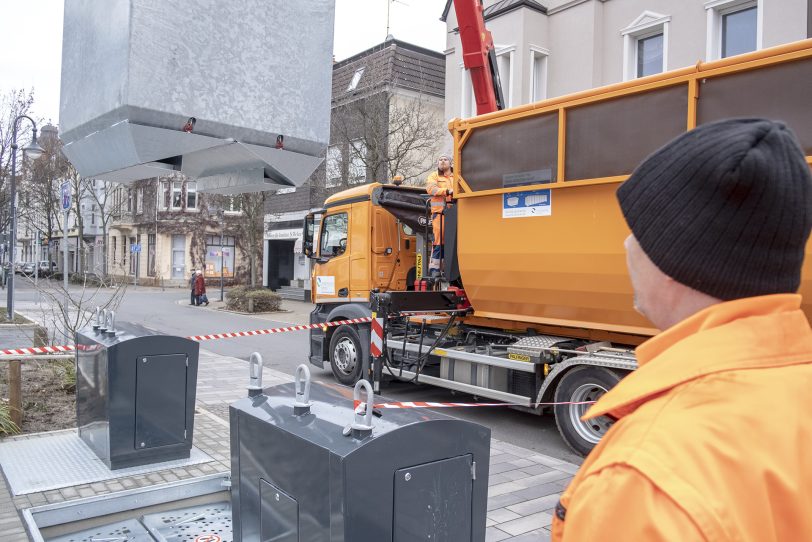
(12,104)
(102,195)
(384,130)
(41,189)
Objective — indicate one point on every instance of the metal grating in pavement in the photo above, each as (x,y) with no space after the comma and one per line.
(122,531)
(205,522)
(61,459)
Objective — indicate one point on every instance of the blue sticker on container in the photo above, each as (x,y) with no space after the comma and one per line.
(529,203)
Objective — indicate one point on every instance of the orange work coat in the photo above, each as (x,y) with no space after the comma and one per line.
(714,436)
(439,188)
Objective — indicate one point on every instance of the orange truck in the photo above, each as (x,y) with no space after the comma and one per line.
(535,304)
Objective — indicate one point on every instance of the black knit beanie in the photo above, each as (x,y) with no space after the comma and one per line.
(725,208)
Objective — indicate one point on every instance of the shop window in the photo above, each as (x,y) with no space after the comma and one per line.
(219,256)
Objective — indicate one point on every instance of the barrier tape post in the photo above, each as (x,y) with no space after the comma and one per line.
(376,349)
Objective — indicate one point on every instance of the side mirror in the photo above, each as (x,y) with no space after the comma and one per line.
(307,235)
(343,244)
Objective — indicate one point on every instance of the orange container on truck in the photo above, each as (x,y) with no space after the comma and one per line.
(535,303)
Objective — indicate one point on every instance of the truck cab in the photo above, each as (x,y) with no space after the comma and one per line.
(357,246)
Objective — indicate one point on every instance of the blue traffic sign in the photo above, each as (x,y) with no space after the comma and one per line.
(135,247)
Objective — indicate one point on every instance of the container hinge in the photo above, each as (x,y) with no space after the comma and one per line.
(473,470)
(226,482)
(187,361)
(184,433)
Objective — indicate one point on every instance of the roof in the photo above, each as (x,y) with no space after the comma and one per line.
(392,62)
(500,7)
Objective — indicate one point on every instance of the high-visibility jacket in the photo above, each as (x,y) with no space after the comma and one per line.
(714,438)
(439,187)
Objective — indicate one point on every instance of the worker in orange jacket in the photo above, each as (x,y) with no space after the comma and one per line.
(713,438)
(438,185)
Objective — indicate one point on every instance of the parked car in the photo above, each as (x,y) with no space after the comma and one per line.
(46,269)
(28,268)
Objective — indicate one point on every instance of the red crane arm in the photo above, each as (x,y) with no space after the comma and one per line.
(479,56)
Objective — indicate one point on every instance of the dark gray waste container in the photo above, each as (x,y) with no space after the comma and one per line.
(135,394)
(418,475)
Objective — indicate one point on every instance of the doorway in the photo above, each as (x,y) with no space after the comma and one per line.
(280,263)
(178,256)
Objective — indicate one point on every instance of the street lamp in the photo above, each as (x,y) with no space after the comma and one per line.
(33,151)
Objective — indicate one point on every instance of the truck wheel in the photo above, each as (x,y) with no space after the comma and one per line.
(345,355)
(582,384)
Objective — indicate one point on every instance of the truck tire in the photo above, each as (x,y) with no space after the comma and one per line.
(345,355)
(585,383)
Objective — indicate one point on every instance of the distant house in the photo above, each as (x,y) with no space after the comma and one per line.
(381,97)
(548,48)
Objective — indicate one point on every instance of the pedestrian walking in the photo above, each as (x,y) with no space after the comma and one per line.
(200,289)
(193,299)
(712,439)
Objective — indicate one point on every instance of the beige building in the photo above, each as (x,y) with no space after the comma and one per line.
(549,48)
(161,229)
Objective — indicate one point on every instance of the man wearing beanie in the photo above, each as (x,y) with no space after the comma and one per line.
(713,438)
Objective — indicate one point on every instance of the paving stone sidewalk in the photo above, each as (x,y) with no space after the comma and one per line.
(523,485)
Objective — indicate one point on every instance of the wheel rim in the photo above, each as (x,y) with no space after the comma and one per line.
(590,430)
(345,356)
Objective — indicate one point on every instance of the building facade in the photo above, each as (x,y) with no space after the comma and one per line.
(549,48)
(161,229)
(387,118)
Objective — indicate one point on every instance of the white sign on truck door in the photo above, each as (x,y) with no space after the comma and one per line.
(326,285)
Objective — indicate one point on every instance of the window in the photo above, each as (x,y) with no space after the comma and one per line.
(217,253)
(129,200)
(133,255)
(650,55)
(645,45)
(734,27)
(356,78)
(333,166)
(504,63)
(358,166)
(177,195)
(123,250)
(739,32)
(151,255)
(139,200)
(538,74)
(164,195)
(114,248)
(191,195)
(333,235)
(93,215)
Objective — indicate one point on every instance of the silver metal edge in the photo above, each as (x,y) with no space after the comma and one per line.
(473,390)
(49,515)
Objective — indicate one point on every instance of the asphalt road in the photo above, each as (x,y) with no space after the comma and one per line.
(169,312)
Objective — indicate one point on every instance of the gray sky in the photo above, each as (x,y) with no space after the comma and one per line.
(34,27)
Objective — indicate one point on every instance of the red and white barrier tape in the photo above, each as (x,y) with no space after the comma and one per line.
(361,406)
(70,348)
(234,334)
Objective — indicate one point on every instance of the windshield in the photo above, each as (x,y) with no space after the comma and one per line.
(333,235)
